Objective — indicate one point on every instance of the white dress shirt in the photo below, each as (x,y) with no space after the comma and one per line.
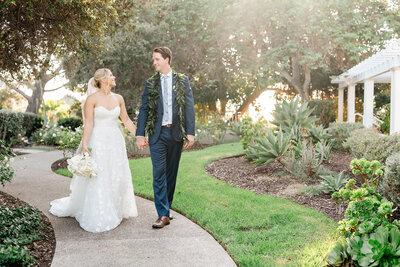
(167,119)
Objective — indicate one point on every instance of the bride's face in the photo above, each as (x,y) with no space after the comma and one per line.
(110,80)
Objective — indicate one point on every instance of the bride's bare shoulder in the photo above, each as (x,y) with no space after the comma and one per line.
(118,96)
(92,98)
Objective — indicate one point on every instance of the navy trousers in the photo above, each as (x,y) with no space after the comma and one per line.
(165,156)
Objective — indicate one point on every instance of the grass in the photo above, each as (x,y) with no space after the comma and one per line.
(64,172)
(257,230)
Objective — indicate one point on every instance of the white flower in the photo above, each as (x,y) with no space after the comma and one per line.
(5,158)
(54,135)
(60,141)
(72,139)
(209,122)
(40,134)
(82,165)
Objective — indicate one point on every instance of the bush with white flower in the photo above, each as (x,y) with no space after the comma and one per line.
(49,134)
(69,140)
(6,156)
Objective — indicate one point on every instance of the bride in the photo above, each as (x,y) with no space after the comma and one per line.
(99,204)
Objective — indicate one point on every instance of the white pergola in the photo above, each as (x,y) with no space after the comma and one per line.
(383,67)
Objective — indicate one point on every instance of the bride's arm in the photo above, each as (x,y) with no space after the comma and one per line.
(125,118)
(88,127)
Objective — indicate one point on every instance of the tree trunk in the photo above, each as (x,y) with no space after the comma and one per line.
(244,108)
(36,98)
(223,106)
(299,73)
(212,106)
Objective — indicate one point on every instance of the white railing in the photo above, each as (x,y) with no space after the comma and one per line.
(377,122)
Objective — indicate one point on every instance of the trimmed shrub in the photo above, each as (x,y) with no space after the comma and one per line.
(11,124)
(70,123)
(324,110)
(31,122)
(372,145)
(340,131)
(390,183)
(15,124)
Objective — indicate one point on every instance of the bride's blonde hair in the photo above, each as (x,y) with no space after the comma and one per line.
(100,74)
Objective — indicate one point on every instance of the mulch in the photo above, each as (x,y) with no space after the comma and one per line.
(271,179)
(42,250)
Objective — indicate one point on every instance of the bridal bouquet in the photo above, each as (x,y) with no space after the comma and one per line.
(82,165)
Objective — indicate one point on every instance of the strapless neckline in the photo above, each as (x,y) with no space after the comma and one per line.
(106,108)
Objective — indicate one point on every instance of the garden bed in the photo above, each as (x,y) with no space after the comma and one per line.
(42,250)
(271,179)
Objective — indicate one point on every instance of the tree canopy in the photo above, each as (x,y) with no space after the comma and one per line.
(33,29)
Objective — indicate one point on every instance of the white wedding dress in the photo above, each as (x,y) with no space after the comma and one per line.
(100,203)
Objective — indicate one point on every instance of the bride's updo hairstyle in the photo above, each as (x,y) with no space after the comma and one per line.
(100,74)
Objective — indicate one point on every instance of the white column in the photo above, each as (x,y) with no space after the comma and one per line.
(351,103)
(395,101)
(340,105)
(368,115)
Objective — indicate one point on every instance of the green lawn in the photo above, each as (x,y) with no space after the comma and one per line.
(64,172)
(257,230)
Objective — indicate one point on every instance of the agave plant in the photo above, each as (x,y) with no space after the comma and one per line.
(318,133)
(333,182)
(293,113)
(269,149)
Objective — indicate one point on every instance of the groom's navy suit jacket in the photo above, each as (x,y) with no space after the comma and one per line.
(189,114)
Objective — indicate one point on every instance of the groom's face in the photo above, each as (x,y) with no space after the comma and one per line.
(159,62)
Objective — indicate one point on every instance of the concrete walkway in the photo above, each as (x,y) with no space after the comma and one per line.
(132,243)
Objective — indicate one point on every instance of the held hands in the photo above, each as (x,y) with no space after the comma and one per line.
(141,141)
(190,141)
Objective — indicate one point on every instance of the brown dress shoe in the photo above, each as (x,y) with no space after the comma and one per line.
(161,222)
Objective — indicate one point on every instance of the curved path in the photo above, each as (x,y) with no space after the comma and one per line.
(132,243)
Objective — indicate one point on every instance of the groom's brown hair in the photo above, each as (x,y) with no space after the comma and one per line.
(165,53)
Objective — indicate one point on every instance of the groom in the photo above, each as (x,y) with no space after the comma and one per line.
(167,115)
